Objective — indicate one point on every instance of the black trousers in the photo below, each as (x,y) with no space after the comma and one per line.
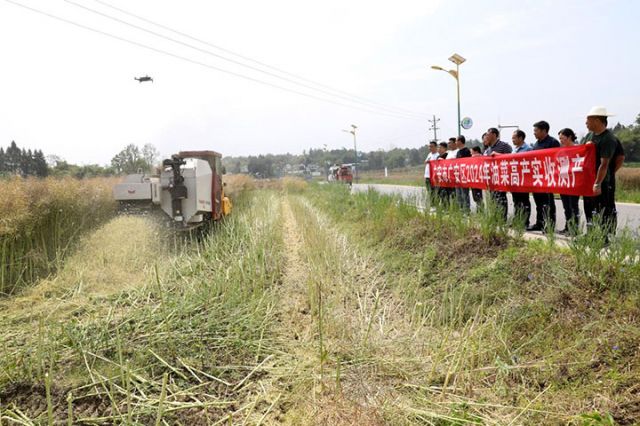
(500,198)
(522,206)
(545,209)
(603,205)
(477,198)
(571,210)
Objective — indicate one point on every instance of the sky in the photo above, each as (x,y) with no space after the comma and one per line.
(70,91)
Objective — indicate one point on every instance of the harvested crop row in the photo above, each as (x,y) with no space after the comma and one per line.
(185,346)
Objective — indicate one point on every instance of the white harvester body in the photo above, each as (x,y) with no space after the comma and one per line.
(188,190)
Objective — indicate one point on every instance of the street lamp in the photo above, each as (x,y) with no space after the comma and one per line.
(456,59)
(355,150)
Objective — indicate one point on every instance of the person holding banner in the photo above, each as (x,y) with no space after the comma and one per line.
(476,193)
(545,203)
(432,156)
(452,149)
(521,201)
(462,193)
(496,147)
(443,192)
(569,202)
(604,195)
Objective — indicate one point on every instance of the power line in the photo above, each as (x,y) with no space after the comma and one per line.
(386,109)
(246,58)
(173,55)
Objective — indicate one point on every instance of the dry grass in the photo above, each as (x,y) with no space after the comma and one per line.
(26,202)
(628,178)
(119,255)
(292,184)
(236,184)
(41,218)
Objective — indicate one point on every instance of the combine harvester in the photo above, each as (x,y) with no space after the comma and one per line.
(189,190)
(342,174)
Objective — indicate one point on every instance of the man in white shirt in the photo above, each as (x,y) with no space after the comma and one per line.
(453,149)
(432,155)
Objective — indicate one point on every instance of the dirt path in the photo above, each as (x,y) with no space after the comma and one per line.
(348,336)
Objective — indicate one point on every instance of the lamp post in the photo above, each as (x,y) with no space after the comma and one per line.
(355,150)
(456,59)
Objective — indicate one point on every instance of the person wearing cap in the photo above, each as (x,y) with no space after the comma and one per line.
(545,203)
(603,200)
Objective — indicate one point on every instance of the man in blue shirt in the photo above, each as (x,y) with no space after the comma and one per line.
(521,201)
(545,203)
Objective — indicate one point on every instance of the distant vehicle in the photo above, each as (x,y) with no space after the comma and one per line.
(143,79)
(342,174)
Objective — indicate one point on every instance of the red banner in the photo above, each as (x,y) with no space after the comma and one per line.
(567,170)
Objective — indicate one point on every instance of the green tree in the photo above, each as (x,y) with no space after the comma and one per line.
(396,158)
(630,138)
(26,160)
(261,166)
(150,154)
(13,157)
(3,167)
(131,159)
(40,167)
(415,157)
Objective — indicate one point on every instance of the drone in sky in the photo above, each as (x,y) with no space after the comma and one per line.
(143,79)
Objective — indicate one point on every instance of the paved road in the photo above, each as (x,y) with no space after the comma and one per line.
(628,214)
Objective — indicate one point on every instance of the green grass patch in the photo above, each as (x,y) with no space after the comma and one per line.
(524,332)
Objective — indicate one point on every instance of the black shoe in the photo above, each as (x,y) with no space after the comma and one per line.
(535,227)
(564,232)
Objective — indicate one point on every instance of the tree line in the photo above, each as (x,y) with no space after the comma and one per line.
(16,161)
(22,162)
(630,138)
(274,165)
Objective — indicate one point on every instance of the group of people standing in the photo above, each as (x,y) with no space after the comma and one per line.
(601,205)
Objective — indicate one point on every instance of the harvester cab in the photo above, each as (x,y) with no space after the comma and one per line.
(189,189)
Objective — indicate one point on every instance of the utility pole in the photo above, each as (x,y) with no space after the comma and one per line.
(355,150)
(434,127)
(458,60)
